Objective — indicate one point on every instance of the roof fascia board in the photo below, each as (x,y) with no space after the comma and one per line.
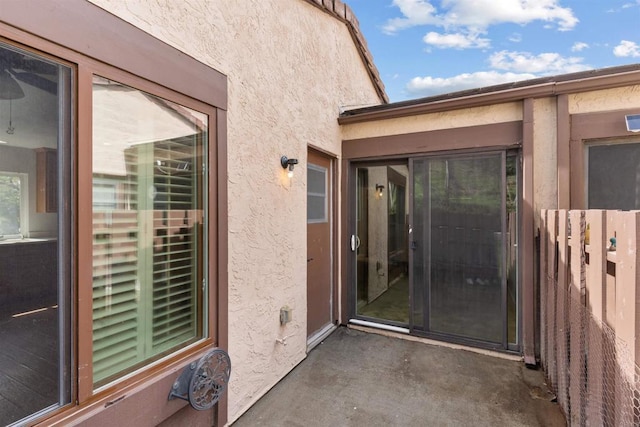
(553,88)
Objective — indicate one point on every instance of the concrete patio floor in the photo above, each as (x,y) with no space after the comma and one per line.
(356,378)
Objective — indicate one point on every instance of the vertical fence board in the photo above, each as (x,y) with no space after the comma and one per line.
(561,313)
(596,271)
(552,294)
(576,324)
(544,283)
(626,308)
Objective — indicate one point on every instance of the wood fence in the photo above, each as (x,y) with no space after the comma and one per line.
(590,313)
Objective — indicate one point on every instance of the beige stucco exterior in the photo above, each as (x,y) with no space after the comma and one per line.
(282,98)
(463,117)
(605,100)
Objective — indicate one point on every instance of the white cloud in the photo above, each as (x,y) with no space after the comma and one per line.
(627,48)
(579,46)
(478,15)
(416,12)
(456,41)
(426,86)
(544,63)
(483,13)
(515,38)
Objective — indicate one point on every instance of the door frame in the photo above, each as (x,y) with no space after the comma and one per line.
(500,136)
(332,212)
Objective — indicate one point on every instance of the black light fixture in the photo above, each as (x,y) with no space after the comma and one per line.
(286,162)
(379,189)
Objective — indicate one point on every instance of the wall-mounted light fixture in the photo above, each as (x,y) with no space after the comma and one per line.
(379,190)
(286,162)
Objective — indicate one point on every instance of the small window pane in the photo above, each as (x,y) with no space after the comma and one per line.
(316,194)
(613,178)
(148,220)
(11,199)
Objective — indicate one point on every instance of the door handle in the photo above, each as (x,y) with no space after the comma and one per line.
(355,242)
(309,259)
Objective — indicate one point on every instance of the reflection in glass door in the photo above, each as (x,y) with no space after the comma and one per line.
(464,242)
(381,249)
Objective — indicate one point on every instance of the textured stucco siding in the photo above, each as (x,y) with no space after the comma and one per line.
(498,113)
(545,158)
(605,100)
(290,67)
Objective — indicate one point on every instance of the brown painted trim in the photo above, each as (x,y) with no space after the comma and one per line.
(528,241)
(495,135)
(345,228)
(590,126)
(513,92)
(91,31)
(563,155)
(222,237)
(84,167)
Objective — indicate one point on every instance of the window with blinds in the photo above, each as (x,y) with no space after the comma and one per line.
(148,226)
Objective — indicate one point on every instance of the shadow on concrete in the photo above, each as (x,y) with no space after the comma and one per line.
(356,378)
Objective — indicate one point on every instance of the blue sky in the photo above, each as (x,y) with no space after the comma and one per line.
(428,47)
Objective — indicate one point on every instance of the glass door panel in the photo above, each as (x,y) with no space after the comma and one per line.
(382,290)
(459,236)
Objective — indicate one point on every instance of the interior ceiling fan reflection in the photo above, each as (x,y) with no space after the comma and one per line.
(15,68)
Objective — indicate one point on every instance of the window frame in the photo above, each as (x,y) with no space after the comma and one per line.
(86,72)
(92,41)
(583,130)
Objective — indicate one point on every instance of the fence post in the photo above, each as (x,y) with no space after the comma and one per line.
(596,271)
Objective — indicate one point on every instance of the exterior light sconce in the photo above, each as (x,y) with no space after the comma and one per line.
(286,162)
(379,190)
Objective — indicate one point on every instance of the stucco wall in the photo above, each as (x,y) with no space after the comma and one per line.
(290,68)
(498,113)
(545,159)
(605,100)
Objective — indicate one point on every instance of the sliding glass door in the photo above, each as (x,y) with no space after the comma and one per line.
(436,246)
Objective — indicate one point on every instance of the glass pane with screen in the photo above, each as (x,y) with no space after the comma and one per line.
(613,176)
(149,199)
(34,290)
(316,194)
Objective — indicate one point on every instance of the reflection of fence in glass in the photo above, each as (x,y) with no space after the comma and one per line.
(589,322)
